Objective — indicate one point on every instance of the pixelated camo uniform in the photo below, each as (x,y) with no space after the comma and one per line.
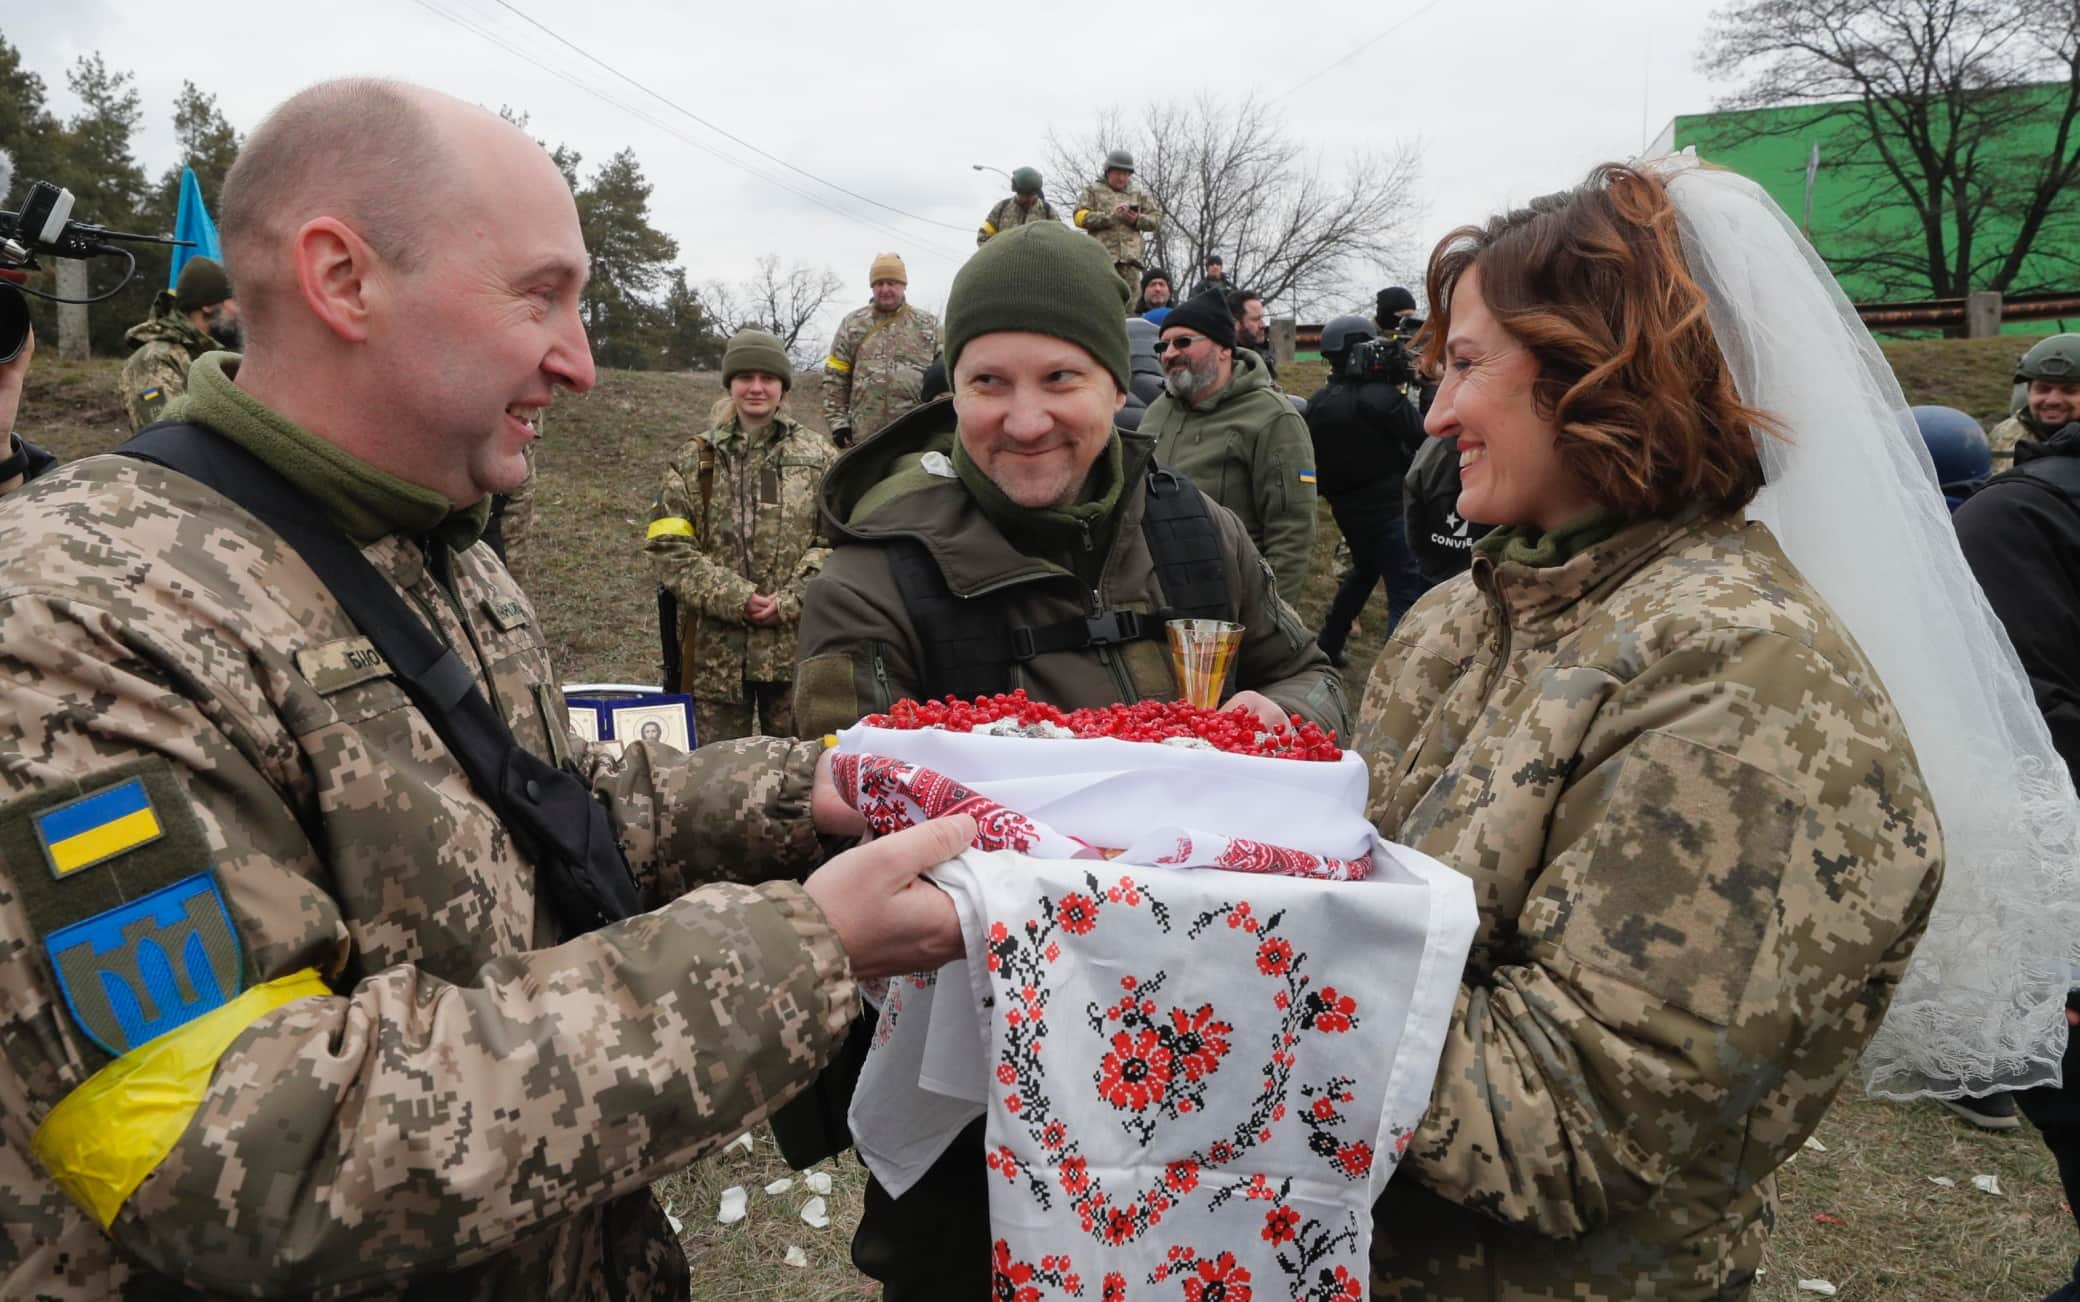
(1124,239)
(1702,852)
(756,532)
(1010,215)
(167,344)
(2002,438)
(413,1089)
(875,371)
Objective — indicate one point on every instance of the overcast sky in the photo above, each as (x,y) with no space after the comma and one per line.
(1507,99)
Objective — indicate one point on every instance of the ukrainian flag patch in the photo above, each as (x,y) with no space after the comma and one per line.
(1307,476)
(97,827)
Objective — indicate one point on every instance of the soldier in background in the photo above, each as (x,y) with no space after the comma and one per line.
(733,536)
(20,460)
(1024,205)
(198,315)
(1120,214)
(877,359)
(1154,303)
(2051,369)
(392,1060)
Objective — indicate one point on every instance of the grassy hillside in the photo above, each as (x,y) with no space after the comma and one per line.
(1862,1214)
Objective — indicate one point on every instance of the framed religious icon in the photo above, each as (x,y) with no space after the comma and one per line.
(585,720)
(664,718)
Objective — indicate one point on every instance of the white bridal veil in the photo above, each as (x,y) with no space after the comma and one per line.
(1852,497)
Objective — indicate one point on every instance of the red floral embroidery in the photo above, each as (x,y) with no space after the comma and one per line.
(1115,1287)
(1354,1159)
(1136,1074)
(1279,1225)
(1197,1042)
(1218,1279)
(1182,1175)
(1078,913)
(1326,1010)
(1275,956)
(1010,1281)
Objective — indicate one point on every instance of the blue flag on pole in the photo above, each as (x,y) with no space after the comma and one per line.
(192,223)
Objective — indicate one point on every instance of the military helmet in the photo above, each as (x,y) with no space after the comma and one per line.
(1955,444)
(1120,159)
(2055,358)
(1026,180)
(1343,331)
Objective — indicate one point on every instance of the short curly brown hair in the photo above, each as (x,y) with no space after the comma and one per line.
(1592,282)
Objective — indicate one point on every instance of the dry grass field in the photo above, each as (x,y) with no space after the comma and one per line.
(1863,1214)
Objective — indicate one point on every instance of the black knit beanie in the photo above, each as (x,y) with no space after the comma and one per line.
(1390,300)
(202,283)
(1205,314)
(1050,280)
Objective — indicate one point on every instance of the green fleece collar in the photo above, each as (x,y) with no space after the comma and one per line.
(365,502)
(1523,544)
(1067,535)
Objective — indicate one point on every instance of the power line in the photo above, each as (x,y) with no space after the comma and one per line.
(1357,50)
(723,132)
(642,116)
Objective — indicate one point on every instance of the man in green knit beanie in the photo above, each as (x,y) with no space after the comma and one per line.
(1009,536)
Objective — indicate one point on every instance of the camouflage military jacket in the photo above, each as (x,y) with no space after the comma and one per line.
(755,532)
(167,344)
(373,1070)
(1008,215)
(1123,239)
(2002,438)
(1702,852)
(875,370)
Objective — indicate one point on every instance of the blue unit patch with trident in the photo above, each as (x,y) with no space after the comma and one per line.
(144,968)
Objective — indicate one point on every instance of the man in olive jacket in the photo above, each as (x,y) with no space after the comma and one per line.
(1225,422)
(1025,507)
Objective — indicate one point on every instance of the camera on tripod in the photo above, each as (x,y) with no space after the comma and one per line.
(44,225)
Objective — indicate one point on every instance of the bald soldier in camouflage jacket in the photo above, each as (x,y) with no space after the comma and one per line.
(733,534)
(875,371)
(1703,854)
(283,1006)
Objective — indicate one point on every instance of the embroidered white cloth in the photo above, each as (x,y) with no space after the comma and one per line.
(1193,1080)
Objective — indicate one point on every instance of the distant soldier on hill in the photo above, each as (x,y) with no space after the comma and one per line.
(198,315)
(1119,213)
(877,360)
(1024,205)
(2051,369)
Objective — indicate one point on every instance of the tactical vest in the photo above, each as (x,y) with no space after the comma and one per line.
(968,645)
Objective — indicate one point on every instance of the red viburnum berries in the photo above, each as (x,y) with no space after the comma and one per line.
(1236,731)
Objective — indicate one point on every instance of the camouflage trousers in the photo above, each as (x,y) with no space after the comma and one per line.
(764,710)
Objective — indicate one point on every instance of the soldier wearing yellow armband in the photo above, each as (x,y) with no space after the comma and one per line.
(875,370)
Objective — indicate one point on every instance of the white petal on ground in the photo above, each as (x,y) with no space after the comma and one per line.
(795,1257)
(742,1141)
(816,1214)
(1815,1144)
(1820,1286)
(734,1200)
(673,1221)
(780,1186)
(1943,1180)
(818,1181)
(1987,1184)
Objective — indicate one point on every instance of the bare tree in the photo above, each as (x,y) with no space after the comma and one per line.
(1959,114)
(786,303)
(1232,181)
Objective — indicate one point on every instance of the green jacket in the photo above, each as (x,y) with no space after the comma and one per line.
(860,651)
(1247,449)
(1703,854)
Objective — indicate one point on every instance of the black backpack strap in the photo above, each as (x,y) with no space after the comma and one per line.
(549,812)
(2058,472)
(964,645)
(1186,547)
